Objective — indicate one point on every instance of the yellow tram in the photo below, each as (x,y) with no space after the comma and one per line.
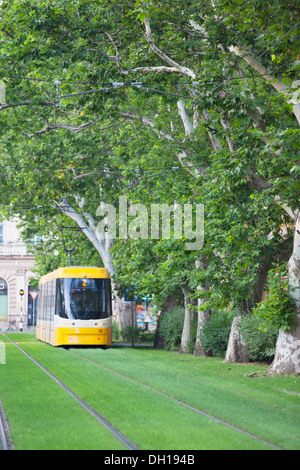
(74,307)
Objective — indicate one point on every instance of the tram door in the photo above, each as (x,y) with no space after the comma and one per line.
(3,301)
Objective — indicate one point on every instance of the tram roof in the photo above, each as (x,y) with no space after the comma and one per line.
(76,272)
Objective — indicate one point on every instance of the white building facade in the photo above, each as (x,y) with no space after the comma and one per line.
(16,266)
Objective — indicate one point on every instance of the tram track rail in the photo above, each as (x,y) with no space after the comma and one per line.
(5,443)
(101,419)
(196,410)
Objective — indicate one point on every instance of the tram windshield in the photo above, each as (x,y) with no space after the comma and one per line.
(83,298)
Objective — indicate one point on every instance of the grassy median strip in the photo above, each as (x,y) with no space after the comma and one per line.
(144,416)
(242,395)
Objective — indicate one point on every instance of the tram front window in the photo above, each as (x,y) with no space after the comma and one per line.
(83,299)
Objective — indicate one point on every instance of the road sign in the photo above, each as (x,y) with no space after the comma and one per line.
(34,294)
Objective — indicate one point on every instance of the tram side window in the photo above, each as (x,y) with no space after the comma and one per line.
(48,296)
(39,306)
(48,300)
(45,303)
(60,300)
(41,301)
(54,298)
(108,298)
(51,299)
(44,306)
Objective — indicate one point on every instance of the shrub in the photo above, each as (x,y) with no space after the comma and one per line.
(193,336)
(115,331)
(171,325)
(278,310)
(146,335)
(140,334)
(215,333)
(260,343)
(128,333)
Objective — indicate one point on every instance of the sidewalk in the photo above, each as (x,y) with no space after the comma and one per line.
(27,329)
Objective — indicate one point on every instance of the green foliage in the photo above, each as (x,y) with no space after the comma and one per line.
(140,334)
(115,331)
(267,407)
(260,343)
(171,325)
(128,333)
(146,335)
(215,333)
(55,147)
(193,333)
(278,310)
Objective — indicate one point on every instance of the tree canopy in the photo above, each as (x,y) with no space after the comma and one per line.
(159,102)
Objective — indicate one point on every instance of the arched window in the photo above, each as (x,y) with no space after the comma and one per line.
(3,300)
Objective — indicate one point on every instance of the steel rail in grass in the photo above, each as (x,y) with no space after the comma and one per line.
(196,410)
(129,445)
(4,439)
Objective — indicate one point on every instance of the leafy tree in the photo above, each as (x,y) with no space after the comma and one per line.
(225,108)
(278,309)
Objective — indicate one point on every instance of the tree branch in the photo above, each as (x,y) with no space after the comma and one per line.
(117,57)
(186,121)
(162,55)
(256,181)
(267,75)
(90,231)
(26,103)
(153,69)
(50,127)
(147,122)
(286,208)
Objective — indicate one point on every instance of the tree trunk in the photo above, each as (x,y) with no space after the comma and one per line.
(287,354)
(203,317)
(236,349)
(186,332)
(277,83)
(123,317)
(261,279)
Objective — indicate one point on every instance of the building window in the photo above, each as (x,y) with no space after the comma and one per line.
(3,287)
(1,234)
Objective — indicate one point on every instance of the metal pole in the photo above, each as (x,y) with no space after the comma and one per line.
(69,255)
(21,319)
(33,313)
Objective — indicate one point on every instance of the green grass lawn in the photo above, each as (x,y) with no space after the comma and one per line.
(42,416)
